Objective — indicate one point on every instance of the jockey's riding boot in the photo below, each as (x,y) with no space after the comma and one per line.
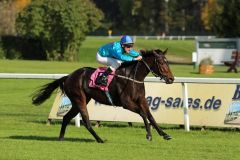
(103,79)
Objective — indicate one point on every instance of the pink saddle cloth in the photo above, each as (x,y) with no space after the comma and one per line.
(100,71)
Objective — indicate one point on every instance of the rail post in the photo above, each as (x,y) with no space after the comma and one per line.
(77,120)
(185,107)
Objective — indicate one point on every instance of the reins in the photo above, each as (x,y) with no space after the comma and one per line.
(124,77)
(133,80)
(159,68)
(148,67)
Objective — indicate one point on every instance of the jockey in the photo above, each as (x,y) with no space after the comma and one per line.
(113,54)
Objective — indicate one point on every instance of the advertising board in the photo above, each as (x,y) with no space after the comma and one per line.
(209,105)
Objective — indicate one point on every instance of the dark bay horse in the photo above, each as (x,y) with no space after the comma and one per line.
(126,89)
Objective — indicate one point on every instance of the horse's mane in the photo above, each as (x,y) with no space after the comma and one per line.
(146,53)
(127,64)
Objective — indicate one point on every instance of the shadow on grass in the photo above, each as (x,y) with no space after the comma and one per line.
(120,125)
(41,138)
(172,127)
(112,124)
(55,122)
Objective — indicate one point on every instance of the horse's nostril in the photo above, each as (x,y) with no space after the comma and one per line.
(170,80)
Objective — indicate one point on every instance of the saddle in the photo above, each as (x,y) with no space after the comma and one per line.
(97,73)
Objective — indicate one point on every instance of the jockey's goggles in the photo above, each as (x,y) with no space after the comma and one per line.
(128,45)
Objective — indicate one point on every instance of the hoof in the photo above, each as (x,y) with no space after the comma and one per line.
(167,137)
(61,139)
(149,137)
(100,141)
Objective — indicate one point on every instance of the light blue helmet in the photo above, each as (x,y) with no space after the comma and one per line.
(126,40)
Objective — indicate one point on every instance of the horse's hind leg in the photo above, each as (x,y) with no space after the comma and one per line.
(66,119)
(85,117)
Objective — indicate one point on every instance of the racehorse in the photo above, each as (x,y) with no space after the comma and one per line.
(127,89)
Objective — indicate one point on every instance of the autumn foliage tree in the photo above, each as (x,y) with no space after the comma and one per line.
(222,17)
(208,13)
(8,12)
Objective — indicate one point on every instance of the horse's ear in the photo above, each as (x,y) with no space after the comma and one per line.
(154,51)
(165,52)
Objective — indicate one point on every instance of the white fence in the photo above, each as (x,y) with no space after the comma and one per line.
(163,37)
(183,80)
(147,79)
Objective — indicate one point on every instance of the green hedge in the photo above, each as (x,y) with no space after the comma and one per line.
(14,47)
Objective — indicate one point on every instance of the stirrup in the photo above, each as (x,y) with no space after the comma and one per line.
(101,80)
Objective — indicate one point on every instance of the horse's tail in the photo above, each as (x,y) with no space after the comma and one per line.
(45,91)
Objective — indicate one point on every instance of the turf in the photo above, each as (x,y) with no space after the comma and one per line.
(177,49)
(24,134)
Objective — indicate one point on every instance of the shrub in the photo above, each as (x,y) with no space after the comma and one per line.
(60,25)
(206,61)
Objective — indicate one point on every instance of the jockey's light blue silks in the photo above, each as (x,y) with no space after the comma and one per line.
(115,50)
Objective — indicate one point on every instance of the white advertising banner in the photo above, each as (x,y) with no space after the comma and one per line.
(209,105)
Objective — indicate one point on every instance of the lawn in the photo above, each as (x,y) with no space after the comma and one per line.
(24,134)
(21,66)
(177,49)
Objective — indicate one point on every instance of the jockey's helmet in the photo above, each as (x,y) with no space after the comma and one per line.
(126,40)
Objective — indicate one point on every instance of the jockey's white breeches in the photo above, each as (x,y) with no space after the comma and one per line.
(111,62)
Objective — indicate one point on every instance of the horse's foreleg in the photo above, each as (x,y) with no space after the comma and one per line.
(146,110)
(66,119)
(159,130)
(134,108)
(147,126)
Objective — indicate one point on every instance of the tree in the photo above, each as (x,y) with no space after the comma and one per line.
(61,25)
(133,16)
(8,11)
(227,21)
(116,15)
(7,18)
(151,17)
(20,4)
(208,13)
(185,17)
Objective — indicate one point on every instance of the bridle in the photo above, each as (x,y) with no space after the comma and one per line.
(160,71)
(159,74)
